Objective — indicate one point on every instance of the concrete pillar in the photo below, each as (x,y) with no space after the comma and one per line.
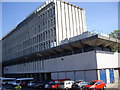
(108,75)
(116,75)
(98,73)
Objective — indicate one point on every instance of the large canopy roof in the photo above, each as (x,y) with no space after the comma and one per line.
(95,40)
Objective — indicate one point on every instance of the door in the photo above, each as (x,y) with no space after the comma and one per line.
(103,75)
(111,72)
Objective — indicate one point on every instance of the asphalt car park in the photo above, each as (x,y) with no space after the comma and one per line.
(58,84)
(11,87)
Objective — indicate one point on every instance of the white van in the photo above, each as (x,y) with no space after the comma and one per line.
(66,84)
(21,80)
(7,80)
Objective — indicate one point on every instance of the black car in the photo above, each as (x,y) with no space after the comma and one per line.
(39,84)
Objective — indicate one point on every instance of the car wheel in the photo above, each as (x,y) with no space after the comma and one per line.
(102,89)
(66,88)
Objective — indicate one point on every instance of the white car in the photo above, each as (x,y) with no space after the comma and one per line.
(66,84)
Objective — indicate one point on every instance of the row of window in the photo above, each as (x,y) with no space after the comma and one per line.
(37,47)
(71,52)
(24,36)
(36,39)
(26,67)
(47,14)
(28,33)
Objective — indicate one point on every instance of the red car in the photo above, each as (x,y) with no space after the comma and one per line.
(54,84)
(95,85)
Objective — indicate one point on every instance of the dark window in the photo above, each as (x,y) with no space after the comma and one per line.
(88,48)
(99,48)
(68,52)
(77,51)
(61,54)
(106,49)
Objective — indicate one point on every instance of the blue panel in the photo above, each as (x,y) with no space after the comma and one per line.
(111,75)
(103,75)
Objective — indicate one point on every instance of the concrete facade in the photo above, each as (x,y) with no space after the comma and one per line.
(54,45)
(45,28)
(83,66)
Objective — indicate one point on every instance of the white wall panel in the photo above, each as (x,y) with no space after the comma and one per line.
(63,21)
(57,26)
(80,61)
(59,34)
(77,22)
(31,68)
(67,21)
(80,20)
(39,65)
(116,75)
(83,20)
(70,19)
(107,60)
(73,21)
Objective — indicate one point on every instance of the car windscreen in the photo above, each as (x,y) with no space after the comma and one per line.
(84,82)
(8,80)
(41,82)
(33,82)
(91,83)
(17,81)
(76,83)
(51,82)
(61,83)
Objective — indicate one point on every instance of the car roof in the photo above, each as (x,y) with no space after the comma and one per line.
(24,79)
(68,81)
(60,79)
(97,80)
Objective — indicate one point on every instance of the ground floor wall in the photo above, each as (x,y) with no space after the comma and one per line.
(76,75)
(110,75)
(36,76)
(80,61)
(84,66)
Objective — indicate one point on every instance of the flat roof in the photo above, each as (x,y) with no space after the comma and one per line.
(95,40)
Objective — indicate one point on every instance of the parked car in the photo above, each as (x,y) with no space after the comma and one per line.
(7,80)
(66,84)
(95,85)
(79,84)
(39,84)
(54,83)
(31,83)
(22,81)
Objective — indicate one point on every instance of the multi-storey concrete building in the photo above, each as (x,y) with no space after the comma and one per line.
(44,28)
(51,43)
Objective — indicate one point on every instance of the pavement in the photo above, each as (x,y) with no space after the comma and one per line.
(113,86)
